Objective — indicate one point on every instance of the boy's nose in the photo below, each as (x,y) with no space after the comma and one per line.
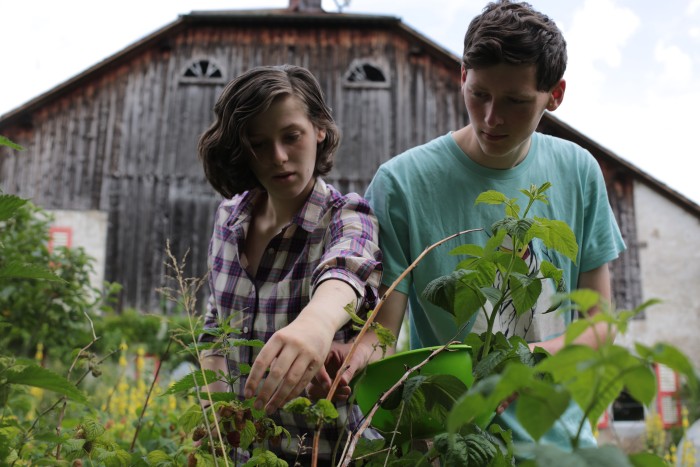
(493,115)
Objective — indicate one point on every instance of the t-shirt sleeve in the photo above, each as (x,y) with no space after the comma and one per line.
(352,251)
(389,205)
(602,238)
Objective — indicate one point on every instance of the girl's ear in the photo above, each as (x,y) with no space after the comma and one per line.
(320,135)
(556,95)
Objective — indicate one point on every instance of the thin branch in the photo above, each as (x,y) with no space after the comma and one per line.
(350,448)
(366,326)
(187,292)
(148,396)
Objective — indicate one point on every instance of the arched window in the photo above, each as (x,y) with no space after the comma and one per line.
(365,73)
(202,71)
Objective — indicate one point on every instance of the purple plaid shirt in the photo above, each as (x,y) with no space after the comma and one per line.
(334,236)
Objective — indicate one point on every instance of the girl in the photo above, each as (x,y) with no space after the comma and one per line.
(288,251)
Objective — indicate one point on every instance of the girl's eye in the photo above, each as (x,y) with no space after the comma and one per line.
(518,101)
(293,136)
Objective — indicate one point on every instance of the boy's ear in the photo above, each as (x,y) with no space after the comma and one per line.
(464,75)
(556,95)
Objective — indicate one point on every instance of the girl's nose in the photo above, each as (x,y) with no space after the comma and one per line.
(279,155)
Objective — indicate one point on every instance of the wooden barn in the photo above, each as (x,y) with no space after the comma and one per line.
(119,139)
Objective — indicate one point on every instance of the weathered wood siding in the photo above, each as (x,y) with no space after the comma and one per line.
(125,142)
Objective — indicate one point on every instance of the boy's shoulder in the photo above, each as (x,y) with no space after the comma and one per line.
(556,144)
(428,153)
(560,152)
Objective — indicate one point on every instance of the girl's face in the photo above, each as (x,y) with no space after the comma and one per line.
(284,143)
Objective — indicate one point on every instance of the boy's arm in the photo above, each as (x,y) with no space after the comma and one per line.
(390,316)
(598,280)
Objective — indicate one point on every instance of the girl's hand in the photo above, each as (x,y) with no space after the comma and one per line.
(293,355)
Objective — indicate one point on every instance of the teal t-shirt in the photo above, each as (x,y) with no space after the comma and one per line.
(428,192)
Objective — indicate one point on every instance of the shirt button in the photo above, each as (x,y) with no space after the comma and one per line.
(245,329)
(270,251)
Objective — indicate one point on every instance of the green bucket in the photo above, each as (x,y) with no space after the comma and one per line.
(381,375)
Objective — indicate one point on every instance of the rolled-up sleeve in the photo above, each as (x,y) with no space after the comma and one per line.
(351,252)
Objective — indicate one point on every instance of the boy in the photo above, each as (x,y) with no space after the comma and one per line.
(512,72)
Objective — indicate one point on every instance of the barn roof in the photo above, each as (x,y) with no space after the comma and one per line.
(270,17)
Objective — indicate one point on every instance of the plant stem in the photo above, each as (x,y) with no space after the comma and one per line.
(148,396)
(64,399)
(497,307)
(346,458)
(393,435)
(187,291)
(366,326)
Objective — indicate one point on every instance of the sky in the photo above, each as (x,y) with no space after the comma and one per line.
(633,79)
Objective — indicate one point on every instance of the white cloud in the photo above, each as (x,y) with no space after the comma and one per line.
(600,30)
(693,6)
(694,33)
(677,65)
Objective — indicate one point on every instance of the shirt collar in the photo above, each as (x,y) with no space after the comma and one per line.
(312,210)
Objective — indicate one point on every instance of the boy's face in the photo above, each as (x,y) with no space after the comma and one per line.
(504,108)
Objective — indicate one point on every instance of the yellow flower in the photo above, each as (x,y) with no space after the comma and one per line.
(172,403)
(139,360)
(688,453)
(672,451)
(39,355)
(38,393)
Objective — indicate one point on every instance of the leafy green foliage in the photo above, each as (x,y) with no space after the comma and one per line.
(44,295)
(36,376)
(195,379)
(485,278)
(6,142)
(603,456)
(385,337)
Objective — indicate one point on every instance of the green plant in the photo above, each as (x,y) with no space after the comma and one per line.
(16,375)
(487,278)
(46,310)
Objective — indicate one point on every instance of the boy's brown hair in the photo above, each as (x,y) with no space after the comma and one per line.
(516,34)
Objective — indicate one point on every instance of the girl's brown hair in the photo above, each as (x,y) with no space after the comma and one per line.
(224,147)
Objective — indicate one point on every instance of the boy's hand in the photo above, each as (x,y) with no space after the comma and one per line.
(294,354)
(504,404)
(321,383)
